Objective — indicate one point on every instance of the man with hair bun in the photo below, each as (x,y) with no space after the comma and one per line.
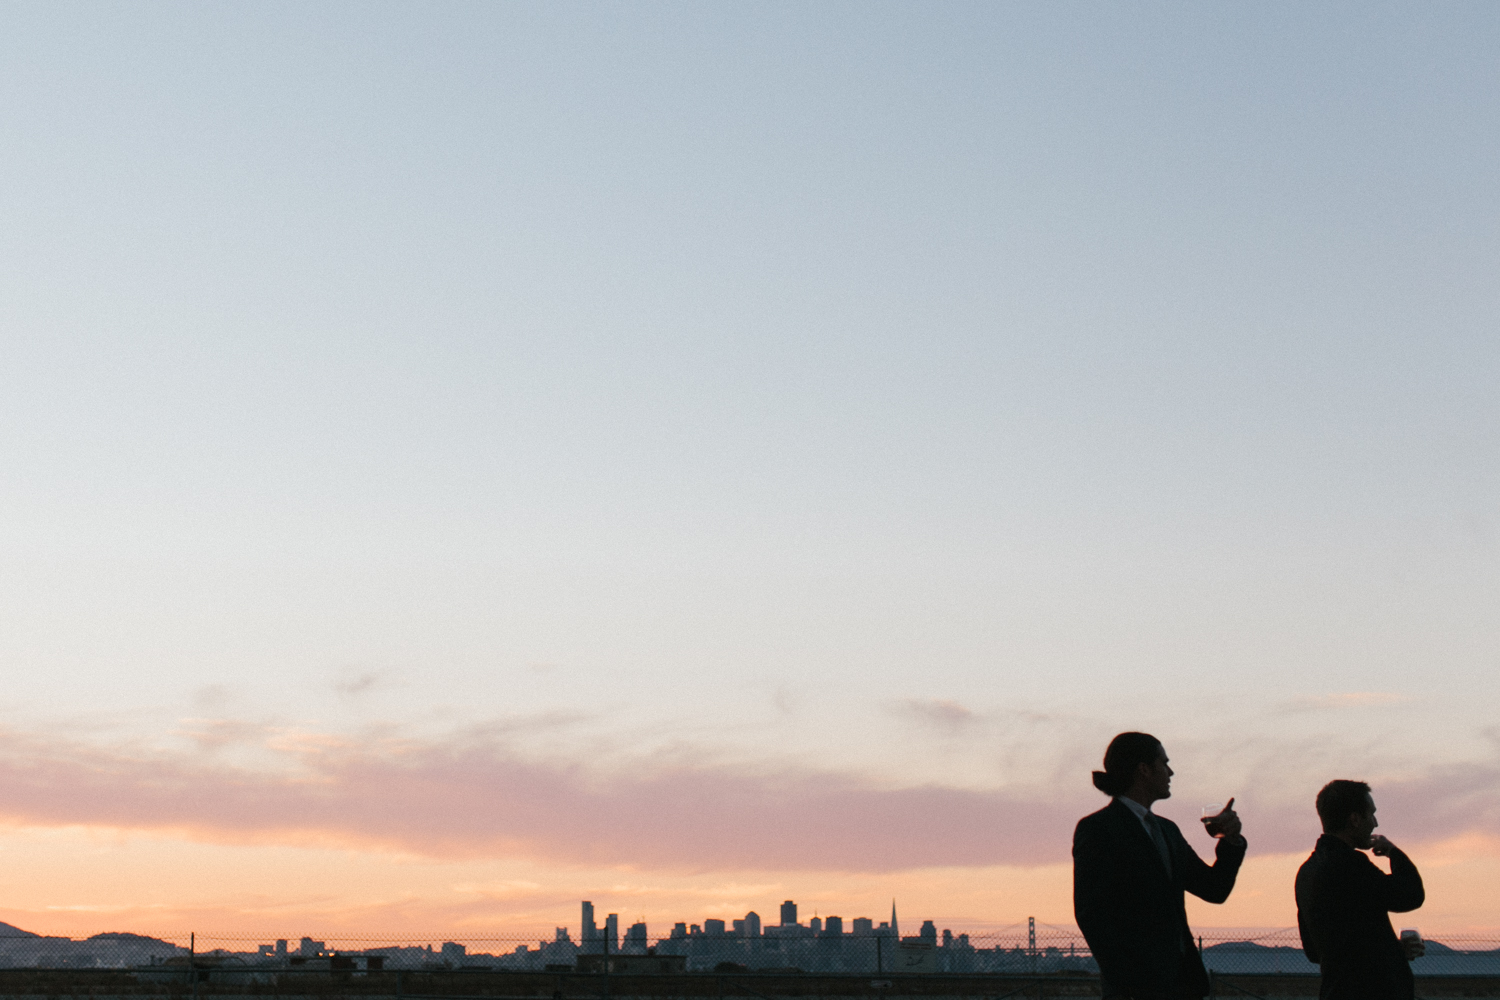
(1130,871)
(1344,902)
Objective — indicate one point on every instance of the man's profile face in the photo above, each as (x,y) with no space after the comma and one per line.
(1363,825)
(1157,776)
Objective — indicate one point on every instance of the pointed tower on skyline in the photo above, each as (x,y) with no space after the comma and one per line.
(895,929)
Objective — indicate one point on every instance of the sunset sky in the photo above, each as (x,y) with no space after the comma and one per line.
(463,459)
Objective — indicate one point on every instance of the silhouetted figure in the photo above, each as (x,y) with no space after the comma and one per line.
(1344,902)
(1130,870)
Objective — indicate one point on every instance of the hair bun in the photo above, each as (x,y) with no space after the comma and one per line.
(1105,783)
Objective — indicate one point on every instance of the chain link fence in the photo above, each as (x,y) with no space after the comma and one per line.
(1020,950)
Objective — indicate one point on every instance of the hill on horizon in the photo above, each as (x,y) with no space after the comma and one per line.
(129,937)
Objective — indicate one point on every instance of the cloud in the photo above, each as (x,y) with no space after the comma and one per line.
(471,796)
(1418,804)
(948,717)
(1344,700)
(1446,802)
(213,696)
(359,684)
(211,734)
(555,720)
(1439,804)
(506,889)
(474,795)
(784,701)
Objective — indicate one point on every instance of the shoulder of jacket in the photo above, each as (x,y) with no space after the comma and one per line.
(1096,818)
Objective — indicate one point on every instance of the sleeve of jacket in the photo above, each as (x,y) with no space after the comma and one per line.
(1304,888)
(1213,883)
(1399,891)
(1093,888)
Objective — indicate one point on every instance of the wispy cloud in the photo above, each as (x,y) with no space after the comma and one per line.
(947,717)
(1344,700)
(472,796)
(363,682)
(475,795)
(213,697)
(211,734)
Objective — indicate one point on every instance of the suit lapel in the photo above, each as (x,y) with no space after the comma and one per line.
(1136,832)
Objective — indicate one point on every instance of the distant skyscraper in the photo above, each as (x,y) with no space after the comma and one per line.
(928,933)
(895,927)
(816,923)
(713,928)
(588,932)
(833,927)
(789,913)
(752,924)
(281,947)
(635,939)
(863,926)
(612,931)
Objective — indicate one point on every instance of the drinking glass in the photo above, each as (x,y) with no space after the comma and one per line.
(1210,815)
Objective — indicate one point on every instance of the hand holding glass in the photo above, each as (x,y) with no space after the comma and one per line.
(1217,819)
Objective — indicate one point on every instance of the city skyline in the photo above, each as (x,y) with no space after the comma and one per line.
(748,927)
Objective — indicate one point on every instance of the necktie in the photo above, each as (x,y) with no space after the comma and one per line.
(1154,825)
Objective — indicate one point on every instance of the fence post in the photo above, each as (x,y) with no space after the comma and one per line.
(879,959)
(193,962)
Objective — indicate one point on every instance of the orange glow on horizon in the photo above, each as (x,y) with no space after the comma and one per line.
(79,881)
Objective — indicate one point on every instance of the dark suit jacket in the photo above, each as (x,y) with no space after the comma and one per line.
(1343,907)
(1131,912)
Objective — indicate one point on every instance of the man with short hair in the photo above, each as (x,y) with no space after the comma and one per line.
(1344,902)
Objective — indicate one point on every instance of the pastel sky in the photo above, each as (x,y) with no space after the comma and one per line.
(462,459)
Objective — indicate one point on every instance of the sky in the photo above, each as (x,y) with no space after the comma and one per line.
(463,459)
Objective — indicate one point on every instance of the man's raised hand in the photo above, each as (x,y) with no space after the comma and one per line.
(1225,824)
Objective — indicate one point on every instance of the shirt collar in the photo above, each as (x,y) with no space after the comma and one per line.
(1135,807)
